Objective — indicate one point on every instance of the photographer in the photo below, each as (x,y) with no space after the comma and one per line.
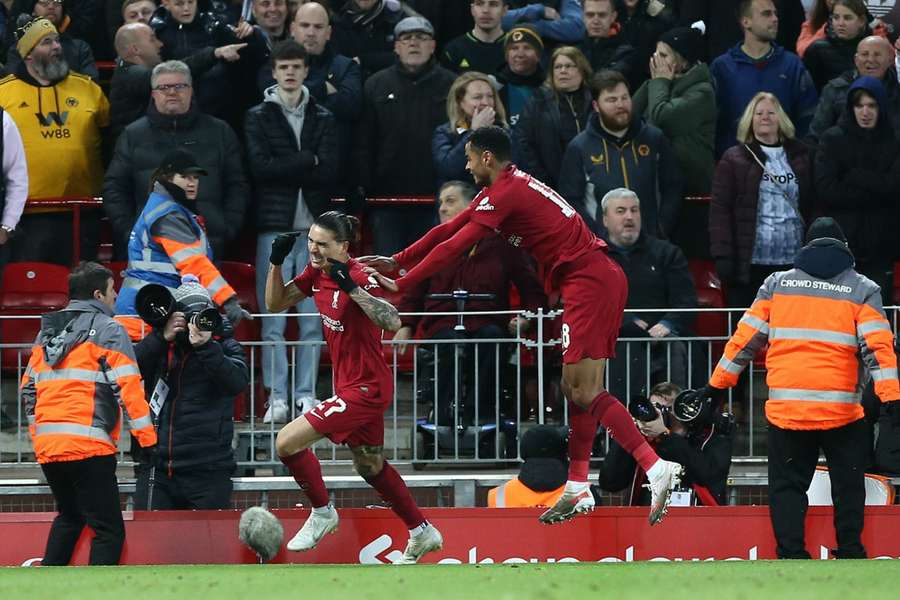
(195,367)
(702,445)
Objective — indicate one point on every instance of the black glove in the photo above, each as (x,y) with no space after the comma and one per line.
(725,269)
(281,247)
(893,410)
(340,273)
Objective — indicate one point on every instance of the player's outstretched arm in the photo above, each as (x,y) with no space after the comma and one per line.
(380,311)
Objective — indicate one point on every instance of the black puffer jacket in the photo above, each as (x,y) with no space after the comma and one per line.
(540,137)
(368,35)
(139,151)
(857,175)
(195,425)
(280,169)
(828,58)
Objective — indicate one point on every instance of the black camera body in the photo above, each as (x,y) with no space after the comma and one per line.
(643,410)
(154,304)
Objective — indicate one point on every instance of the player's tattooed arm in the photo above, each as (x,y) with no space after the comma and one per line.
(380,311)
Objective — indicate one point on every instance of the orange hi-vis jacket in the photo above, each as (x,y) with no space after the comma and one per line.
(515,494)
(82,369)
(820,333)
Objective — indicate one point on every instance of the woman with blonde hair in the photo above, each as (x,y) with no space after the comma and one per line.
(472,103)
(761,196)
(555,114)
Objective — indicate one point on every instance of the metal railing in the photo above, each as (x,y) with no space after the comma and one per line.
(462,401)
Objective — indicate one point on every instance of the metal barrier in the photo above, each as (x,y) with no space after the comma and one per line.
(498,387)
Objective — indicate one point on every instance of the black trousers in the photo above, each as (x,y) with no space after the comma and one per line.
(187,489)
(86,493)
(792,463)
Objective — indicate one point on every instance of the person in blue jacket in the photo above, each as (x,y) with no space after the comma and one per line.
(555,20)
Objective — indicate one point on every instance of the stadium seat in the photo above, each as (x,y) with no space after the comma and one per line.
(118,270)
(242,277)
(879,490)
(896,295)
(28,289)
(710,294)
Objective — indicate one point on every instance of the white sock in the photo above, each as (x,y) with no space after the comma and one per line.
(322,510)
(576,486)
(418,530)
(656,470)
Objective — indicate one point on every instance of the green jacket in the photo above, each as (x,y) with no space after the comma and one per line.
(685,110)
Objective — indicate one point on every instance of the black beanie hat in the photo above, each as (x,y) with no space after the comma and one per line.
(686,41)
(825,227)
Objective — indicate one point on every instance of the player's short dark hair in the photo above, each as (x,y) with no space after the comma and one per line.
(492,139)
(86,278)
(606,80)
(289,50)
(467,190)
(344,227)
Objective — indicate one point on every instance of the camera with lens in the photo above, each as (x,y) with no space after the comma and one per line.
(644,410)
(155,304)
(698,411)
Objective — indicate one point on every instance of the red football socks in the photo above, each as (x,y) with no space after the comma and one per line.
(613,415)
(582,430)
(307,472)
(393,490)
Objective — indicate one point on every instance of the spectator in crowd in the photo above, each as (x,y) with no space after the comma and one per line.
(542,476)
(482,48)
(704,449)
(77,52)
(271,20)
(471,104)
(82,365)
(759,64)
(554,115)
(364,31)
(168,240)
(874,58)
(643,21)
(522,74)
(680,100)
(658,277)
(818,19)
(827,58)
(491,266)
(402,106)
(138,51)
(184,30)
(617,150)
(60,116)
(13,185)
(138,11)
(823,299)
(723,30)
(192,468)
(117,14)
(556,21)
(857,173)
(173,121)
(761,195)
(605,46)
(292,151)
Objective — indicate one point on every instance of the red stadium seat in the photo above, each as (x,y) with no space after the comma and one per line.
(242,277)
(27,289)
(118,270)
(896,292)
(709,295)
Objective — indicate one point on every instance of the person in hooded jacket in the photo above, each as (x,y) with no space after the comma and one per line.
(827,58)
(824,324)
(857,178)
(542,477)
(364,31)
(203,371)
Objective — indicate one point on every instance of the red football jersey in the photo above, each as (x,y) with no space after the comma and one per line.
(354,341)
(530,214)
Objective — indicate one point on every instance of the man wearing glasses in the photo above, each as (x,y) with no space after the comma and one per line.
(401,107)
(173,121)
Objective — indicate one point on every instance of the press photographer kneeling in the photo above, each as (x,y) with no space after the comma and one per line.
(685,427)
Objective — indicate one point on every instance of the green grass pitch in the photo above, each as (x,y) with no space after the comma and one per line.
(759,580)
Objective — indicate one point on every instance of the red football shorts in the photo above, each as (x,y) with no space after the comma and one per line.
(354,417)
(594,291)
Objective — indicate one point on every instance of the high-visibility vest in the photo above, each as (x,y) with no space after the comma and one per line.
(162,259)
(73,404)
(820,333)
(515,494)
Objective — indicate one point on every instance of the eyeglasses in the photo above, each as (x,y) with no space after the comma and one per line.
(165,88)
(416,37)
(564,67)
(50,2)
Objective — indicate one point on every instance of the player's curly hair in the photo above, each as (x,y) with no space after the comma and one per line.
(344,227)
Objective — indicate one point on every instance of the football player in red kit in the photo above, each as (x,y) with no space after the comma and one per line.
(353,315)
(530,214)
